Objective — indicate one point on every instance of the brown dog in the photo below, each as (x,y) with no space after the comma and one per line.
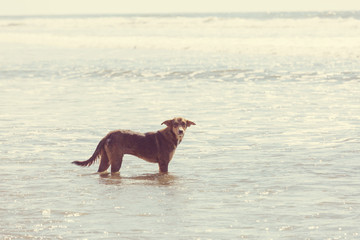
(156,147)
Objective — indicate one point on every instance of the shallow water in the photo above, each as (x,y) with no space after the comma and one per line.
(274,154)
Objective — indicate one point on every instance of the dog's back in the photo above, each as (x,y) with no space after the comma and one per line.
(141,145)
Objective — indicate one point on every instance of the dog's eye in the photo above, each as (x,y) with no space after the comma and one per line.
(183,124)
(176,124)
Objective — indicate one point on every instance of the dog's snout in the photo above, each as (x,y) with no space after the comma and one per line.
(181,131)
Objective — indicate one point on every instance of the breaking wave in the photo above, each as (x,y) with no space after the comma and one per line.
(330,34)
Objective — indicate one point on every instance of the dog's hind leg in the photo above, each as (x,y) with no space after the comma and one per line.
(116,163)
(115,156)
(104,162)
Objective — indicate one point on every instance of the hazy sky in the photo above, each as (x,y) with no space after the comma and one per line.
(21,7)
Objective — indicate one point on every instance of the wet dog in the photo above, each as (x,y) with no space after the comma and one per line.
(156,147)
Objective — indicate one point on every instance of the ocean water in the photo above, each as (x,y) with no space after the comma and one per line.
(274,155)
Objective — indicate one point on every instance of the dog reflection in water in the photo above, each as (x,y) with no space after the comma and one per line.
(144,179)
(156,147)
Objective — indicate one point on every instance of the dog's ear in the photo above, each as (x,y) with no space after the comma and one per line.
(189,123)
(168,123)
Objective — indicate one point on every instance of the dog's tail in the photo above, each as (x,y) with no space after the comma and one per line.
(96,154)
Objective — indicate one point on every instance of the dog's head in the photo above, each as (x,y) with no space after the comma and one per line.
(178,126)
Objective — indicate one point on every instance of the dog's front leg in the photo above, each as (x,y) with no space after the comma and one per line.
(163,166)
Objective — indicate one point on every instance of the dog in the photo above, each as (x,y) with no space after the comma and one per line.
(155,147)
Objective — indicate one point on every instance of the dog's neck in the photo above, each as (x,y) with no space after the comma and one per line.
(168,134)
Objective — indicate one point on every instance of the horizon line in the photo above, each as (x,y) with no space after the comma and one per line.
(174,13)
